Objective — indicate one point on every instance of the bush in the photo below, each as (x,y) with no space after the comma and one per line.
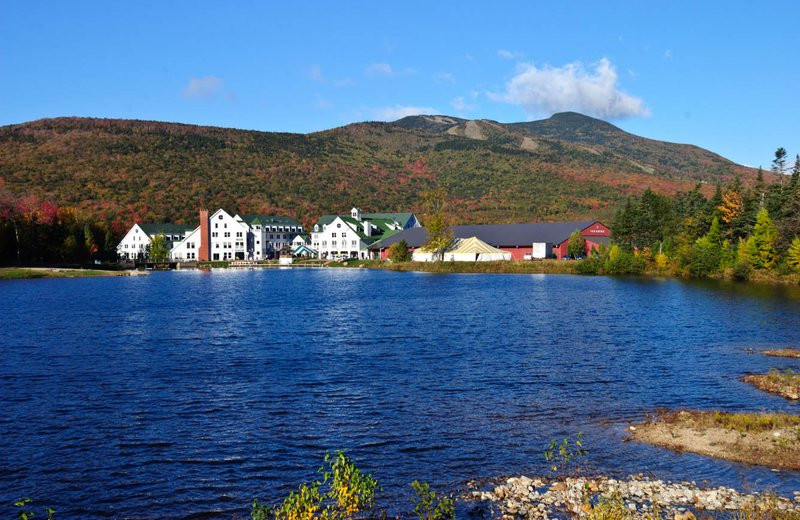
(349,492)
(431,507)
(592,265)
(741,271)
(398,252)
(620,261)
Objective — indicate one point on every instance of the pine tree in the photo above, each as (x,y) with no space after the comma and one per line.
(793,255)
(765,235)
(779,163)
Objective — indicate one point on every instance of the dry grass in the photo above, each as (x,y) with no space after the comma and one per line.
(782,352)
(785,384)
(20,273)
(502,267)
(767,439)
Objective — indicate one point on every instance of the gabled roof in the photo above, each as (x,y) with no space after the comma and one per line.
(384,224)
(401,218)
(500,235)
(270,220)
(497,235)
(165,229)
(414,237)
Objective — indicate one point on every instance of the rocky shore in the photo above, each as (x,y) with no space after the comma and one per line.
(635,497)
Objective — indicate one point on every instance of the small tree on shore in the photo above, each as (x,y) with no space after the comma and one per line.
(158,248)
(576,245)
(437,222)
(398,252)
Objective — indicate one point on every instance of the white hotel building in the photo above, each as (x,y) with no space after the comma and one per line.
(349,236)
(219,237)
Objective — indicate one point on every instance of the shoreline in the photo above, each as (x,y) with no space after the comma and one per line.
(34,273)
(635,497)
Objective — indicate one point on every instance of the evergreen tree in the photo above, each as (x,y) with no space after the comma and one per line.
(765,236)
(779,163)
(793,255)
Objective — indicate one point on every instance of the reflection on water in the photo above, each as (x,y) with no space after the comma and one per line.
(192,392)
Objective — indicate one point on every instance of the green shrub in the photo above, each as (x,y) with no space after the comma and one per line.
(620,261)
(431,507)
(741,271)
(591,265)
(349,492)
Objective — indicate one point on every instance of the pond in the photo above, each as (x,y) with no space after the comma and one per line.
(186,394)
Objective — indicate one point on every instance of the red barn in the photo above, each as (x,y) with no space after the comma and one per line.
(517,239)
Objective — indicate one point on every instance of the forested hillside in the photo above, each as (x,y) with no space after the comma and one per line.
(569,166)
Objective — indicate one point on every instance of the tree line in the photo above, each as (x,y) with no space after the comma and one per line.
(33,231)
(737,230)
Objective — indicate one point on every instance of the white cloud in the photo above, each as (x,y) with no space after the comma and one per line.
(546,90)
(460,104)
(386,70)
(396,112)
(343,82)
(668,54)
(315,74)
(508,55)
(380,69)
(321,103)
(445,77)
(202,88)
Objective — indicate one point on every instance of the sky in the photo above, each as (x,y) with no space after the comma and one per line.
(722,75)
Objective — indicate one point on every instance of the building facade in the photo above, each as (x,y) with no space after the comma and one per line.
(272,234)
(350,236)
(135,245)
(522,241)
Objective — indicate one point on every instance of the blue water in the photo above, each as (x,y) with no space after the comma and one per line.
(190,393)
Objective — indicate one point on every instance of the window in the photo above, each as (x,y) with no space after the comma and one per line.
(333,243)
(214,234)
(216,225)
(238,234)
(333,235)
(338,225)
(220,217)
(354,243)
(225,225)
(344,235)
(216,246)
(227,234)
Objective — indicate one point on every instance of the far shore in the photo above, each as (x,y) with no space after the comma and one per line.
(24,273)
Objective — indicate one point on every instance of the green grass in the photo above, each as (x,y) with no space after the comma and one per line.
(21,273)
(744,422)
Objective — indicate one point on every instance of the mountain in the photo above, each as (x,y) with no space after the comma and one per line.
(567,166)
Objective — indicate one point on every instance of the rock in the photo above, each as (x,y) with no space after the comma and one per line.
(558,486)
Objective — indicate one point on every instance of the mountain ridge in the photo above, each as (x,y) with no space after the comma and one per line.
(566,166)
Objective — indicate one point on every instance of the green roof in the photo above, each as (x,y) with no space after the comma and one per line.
(383,221)
(165,229)
(270,220)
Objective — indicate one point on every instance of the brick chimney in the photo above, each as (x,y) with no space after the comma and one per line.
(203,253)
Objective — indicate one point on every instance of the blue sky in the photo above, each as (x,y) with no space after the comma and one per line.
(722,75)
